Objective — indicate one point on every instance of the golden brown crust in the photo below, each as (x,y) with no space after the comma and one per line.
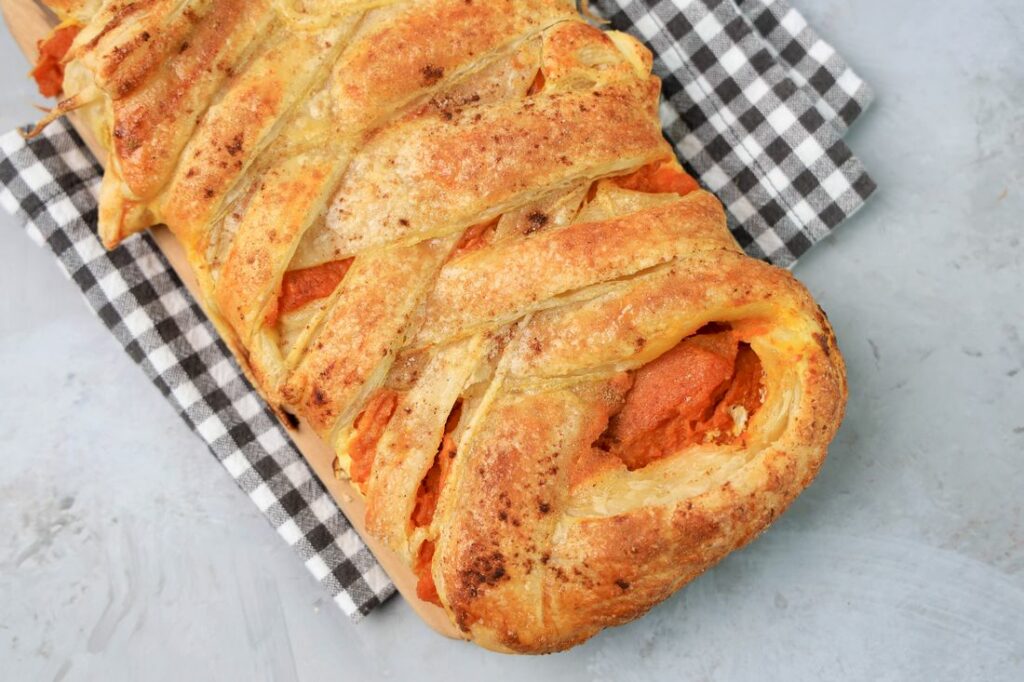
(499,285)
(621,542)
(157,104)
(505,281)
(80,10)
(425,46)
(236,128)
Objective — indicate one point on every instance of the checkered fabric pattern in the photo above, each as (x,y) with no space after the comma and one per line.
(51,184)
(756,104)
(813,65)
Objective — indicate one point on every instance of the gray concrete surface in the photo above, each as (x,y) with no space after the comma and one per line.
(126,553)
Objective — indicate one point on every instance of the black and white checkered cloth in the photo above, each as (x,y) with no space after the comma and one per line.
(51,184)
(756,104)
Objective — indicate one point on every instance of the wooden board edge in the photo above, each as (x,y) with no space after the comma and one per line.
(28,22)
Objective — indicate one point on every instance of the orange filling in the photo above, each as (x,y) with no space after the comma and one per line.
(300,287)
(660,177)
(370,425)
(49,70)
(425,587)
(475,237)
(703,390)
(430,488)
(426,502)
(537,85)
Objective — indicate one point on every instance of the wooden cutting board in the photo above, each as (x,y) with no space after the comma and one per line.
(28,22)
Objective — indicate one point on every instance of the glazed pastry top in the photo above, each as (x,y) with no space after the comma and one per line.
(449,235)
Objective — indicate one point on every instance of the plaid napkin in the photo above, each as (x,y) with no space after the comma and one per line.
(51,184)
(756,104)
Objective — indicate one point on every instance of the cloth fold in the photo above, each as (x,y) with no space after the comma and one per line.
(756,104)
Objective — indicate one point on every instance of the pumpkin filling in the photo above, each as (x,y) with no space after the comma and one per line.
(426,503)
(49,69)
(369,427)
(430,489)
(659,177)
(475,237)
(704,390)
(303,286)
(425,587)
(537,85)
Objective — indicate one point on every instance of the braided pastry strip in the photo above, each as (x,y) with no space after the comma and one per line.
(449,235)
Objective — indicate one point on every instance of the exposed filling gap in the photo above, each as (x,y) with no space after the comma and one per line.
(426,504)
(301,287)
(706,389)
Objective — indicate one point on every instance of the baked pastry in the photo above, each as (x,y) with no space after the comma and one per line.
(449,236)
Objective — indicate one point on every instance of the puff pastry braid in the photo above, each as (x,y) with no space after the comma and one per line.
(449,235)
